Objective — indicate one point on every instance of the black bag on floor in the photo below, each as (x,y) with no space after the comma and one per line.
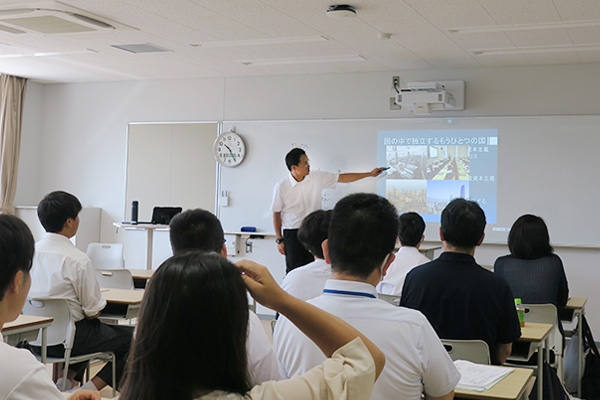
(590,382)
(553,388)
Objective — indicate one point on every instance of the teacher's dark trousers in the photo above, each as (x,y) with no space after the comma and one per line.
(296,254)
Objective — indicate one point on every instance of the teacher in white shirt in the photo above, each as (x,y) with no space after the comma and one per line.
(296,196)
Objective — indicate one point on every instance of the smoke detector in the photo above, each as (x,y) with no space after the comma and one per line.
(340,11)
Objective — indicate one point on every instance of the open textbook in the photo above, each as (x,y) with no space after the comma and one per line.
(477,377)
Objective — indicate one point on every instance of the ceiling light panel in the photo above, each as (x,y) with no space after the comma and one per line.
(141,48)
(583,35)
(8,29)
(525,27)
(304,60)
(537,49)
(261,42)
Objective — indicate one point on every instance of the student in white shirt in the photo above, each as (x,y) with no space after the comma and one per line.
(200,230)
(411,237)
(22,376)
(60,270)
(307,281)
(362,235)
(191,338)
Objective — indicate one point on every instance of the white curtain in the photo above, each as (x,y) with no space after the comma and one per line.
(12,95)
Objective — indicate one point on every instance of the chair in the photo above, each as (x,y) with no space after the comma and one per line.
(115,278)
(390,298)
(476,351)
(546,314)
(62,332)
(106,255)
(273,323)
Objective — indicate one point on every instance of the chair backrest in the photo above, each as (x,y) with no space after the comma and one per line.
(546,314)
(252,306)
(115,278)
(476,351)
(106,255)
(390,298)
(62,330)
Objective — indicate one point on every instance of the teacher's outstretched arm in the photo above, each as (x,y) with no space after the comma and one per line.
(355,176)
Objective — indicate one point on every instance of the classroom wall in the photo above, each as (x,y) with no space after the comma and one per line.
(74,135)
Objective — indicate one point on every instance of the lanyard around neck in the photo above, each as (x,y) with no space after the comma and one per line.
(349,293)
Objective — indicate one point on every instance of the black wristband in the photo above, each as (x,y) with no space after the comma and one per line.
(279,240)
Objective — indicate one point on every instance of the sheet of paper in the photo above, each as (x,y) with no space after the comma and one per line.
(479,377)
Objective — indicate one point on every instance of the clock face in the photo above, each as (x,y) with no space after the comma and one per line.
(229,149)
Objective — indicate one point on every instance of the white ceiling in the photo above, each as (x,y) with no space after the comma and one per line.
(419,37)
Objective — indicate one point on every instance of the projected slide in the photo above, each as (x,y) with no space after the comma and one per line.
(429,168)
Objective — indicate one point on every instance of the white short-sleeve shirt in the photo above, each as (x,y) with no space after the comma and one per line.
(262,363)
(295,200)
(23,377)
(406,259)
(61,270)
(307,282)
(416,360)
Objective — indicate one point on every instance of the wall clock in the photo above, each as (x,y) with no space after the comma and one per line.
(229,149)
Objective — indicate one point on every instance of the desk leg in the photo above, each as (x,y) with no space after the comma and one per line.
(579,351)
(429,254)
(540,371)
(44,346)
(150,242)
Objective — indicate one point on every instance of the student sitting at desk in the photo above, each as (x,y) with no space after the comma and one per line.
(307,281)
(461,299)
(60,270)
(411,237)
(534,273)
(200,230)
(362,236)
(22,376)
(191,338)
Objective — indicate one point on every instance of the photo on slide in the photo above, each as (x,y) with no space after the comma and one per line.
(440,193)
(428,162)
(407,162)
(407,195)
(448,163)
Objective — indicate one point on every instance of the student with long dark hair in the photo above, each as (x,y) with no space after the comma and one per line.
(534,273)
(191,338)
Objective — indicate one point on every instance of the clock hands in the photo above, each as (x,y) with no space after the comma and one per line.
(230,152)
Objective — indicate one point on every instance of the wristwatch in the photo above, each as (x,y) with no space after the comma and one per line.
(279,240)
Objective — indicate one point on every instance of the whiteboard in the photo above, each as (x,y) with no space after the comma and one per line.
(547,166)
(170,164)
